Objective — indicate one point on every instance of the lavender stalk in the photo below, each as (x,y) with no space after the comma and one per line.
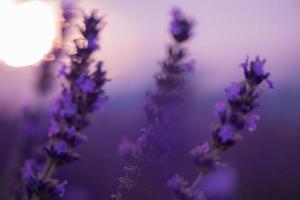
(150,149)
(30,142)
(234,118)
(82,94)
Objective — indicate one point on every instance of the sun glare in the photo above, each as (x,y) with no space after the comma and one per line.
(27,33)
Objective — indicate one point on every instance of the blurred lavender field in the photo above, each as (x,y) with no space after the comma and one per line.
(265,165)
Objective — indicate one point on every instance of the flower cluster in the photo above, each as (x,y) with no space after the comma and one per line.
(82,94)
(49,188)
(238,116)
(171,80)
(242,98)
(160,107)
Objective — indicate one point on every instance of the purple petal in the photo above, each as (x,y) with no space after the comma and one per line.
(226,133)
(233,91)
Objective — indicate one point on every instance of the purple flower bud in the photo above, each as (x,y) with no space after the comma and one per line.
(245,64)
(88,86)
(254,71)
(220,110)
(68,108)
(60,189)
(70,132)
(233,91)
(258,66)
(63,70)
(61,147)
(251,122)
(27,170)
(202,157)
(226,133)
(180,26)
(53,129)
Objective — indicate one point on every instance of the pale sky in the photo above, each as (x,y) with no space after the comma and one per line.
(135,39)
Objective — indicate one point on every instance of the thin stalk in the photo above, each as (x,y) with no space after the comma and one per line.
(196,182)
(49,168)
(47,173)
(194,185)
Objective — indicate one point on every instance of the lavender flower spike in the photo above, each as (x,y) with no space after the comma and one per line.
(152,146)
(236,117)
(70,113)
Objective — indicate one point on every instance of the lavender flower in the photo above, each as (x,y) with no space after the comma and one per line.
(171,81)
(181,27)
(49,188)
(238,116)
(70,113)
(160,107)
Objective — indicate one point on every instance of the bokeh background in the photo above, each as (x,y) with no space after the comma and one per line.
(266,165)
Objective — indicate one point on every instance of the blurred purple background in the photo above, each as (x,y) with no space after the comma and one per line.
(266,164)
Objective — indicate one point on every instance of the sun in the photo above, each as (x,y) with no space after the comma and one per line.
(27,33)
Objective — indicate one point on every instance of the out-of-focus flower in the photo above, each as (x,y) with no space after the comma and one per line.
(47,67)
(181,26)
(220,183)
(152,146)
